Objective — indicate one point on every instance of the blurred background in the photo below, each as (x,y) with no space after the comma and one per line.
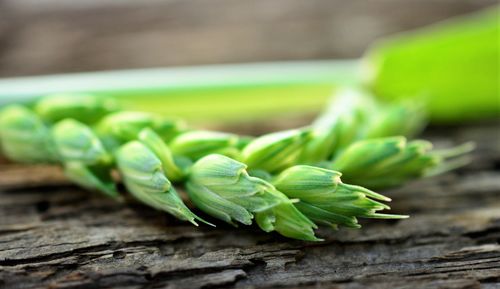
(59,36)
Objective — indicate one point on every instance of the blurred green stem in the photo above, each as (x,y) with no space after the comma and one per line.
(208,93)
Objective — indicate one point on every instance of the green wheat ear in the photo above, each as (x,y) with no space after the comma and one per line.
(94,178)
(326,200)
(24,136)
(197,144)
(85,108)
(403,118)
(353,115)
(153,141)
(76,142)
(120,127)
(281,192)
(340,124)
(222,188)
(144,177)
(275,151)
(85,160)
(392,161)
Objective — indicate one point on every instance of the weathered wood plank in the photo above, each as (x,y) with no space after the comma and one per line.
(55,235)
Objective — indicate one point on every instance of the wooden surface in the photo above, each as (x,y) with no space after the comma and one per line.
(49,36)
(55,235)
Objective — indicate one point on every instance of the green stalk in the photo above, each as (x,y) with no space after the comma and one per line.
(197,93)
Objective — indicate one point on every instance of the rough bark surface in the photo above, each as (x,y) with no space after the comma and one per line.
(55,235)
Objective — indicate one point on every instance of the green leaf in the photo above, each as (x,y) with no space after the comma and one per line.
(451,66)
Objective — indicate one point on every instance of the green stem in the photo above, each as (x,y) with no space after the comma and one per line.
(216,92)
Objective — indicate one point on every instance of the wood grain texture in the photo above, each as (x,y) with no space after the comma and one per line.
(54,235)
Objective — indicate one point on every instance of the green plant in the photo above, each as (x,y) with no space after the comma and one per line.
(450,67)
(154,154)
